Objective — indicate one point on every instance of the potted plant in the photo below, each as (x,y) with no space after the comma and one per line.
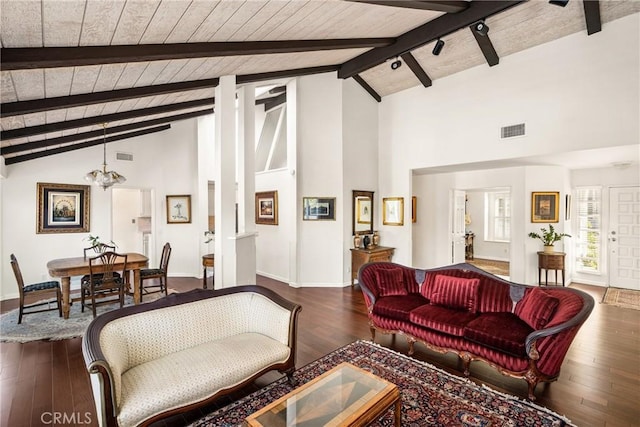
(97,244)
(548,237)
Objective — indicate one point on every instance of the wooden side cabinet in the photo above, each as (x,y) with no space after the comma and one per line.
(550,261)
(359,257)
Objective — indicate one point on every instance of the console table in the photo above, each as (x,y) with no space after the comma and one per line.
(550,261)
(207,261)
(359,257)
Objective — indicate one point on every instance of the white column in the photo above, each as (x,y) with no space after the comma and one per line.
(225,191)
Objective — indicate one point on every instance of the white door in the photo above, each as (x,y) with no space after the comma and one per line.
(624,237)
(457,226)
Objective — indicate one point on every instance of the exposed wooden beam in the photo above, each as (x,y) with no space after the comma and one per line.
(296,72)
(47,104)
(109,130)
(413,64)
(432,30)
(106,118)
(53,57)
(274,102)
(484,42)
(438,6)
(368,88)
(278,89)
(592,16)
(39,154)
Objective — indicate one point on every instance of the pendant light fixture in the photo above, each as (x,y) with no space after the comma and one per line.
(103,178)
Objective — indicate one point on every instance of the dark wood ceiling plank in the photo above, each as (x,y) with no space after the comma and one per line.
(432,30)
(484,42)
(592,16)
(34,145)
(368,88)
(39,154)
(274,102)
(47,104)
(107,118)
(278,89)
(413,64)
(53,57)
(438,6)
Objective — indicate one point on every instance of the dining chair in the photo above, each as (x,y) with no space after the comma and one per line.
(41,288)
(106,272)
(93,251)
(156,273)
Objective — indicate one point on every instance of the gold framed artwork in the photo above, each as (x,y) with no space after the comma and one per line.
(544,206)
(318,208)
(393,211)
(179,209)
(267,207)
(63,208)
(414,208)
(363,210)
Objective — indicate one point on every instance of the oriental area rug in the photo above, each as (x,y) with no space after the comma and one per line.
(626,298)
(48,325)
(430,396)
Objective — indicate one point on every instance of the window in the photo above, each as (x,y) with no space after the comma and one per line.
(497,216)
(271,151)
(588,241)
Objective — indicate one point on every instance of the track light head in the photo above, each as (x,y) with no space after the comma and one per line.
(561,3)
(437,48)
(481,28)
(396,64)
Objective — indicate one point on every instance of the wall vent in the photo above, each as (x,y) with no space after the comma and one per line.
(124,156)
(511,131)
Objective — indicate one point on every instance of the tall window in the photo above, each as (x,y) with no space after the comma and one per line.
(271,151)
(588,241)
(497,216)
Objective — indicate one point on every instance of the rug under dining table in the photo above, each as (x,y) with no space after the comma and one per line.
(430,396)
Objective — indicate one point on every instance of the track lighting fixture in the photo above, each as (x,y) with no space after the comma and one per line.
(396,64)
(438,47)
(481,28)
(561,3)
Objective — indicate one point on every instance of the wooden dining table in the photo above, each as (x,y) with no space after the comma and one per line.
(65,268)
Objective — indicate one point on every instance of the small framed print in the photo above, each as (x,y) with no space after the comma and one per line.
(179,209)
(393,211)
(267,207)
(544,206)
(414,209)
(318,208)
(63,208)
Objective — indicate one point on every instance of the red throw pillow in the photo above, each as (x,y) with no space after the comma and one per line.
(536,308)
(455,292)
(391,282)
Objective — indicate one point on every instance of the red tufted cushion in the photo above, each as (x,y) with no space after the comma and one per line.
(441,319)
(398,306)
(500,331)
(536,308)
(455,292)
(391,282)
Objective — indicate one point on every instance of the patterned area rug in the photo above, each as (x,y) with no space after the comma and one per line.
(626,298)
(49,326)
(430,396)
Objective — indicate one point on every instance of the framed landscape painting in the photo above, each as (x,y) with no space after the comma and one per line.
(267,207)
(63,208)
(318,208)
(544,206)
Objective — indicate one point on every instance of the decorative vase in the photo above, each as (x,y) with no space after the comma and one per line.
(365,241)
(376,239)
(548,249)
(357,240)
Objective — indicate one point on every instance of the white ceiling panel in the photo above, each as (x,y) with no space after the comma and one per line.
(6,87)
(131,74)
(260,19)
(108,77)
(189,22)
(29,84)
(164,21)
(134,19)
(84,79)
(62,22)
(100,21)
(57,81)
(21,23)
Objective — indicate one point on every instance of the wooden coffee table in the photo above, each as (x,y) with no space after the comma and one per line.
(344,396)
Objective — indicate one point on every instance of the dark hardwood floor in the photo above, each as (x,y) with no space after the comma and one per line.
(599,384)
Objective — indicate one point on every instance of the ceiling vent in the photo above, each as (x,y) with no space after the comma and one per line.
(124,156)
(512,131)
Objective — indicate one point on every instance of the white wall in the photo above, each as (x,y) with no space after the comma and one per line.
(163,161)
(576,93)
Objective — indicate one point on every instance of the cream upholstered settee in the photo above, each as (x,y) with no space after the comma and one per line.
(151,361)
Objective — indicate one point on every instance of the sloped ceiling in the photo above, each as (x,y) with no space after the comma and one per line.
(140,64)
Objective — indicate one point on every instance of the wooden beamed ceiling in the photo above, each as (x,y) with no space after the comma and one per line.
(364,54)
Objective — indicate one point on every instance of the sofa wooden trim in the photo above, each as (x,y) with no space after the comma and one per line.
(532,375)
(96,363)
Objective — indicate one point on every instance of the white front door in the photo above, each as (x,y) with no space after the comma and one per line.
(457,227)
(624,237)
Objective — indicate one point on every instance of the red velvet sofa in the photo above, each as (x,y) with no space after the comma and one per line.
(523,331)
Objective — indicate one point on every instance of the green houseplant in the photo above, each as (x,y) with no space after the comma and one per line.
(548,237)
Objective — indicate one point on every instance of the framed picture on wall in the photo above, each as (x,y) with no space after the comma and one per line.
(544,206)
(63,208)
(267,207)
(393,211)
(179,209)
(414,209)
(318,208)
